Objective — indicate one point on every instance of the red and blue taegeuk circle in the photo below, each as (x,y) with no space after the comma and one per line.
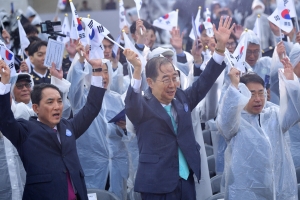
(79,27)
(286,14)
(166,16)
(8,55)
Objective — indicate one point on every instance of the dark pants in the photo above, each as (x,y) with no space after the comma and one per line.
(185,190)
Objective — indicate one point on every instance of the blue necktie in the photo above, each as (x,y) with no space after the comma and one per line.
(183,166)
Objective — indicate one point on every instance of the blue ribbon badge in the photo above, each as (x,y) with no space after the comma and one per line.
(68,133)
(186,107)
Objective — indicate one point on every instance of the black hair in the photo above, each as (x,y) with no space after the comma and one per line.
(232,36)
(32,39)
(252,77)
(152,28)
(214,4)
(36,94)
(111,37)
(133,26)
(30,29)
(153,65)
(35,46)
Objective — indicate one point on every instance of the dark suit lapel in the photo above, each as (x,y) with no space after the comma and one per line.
(159,109)
(50,131)
(179,110)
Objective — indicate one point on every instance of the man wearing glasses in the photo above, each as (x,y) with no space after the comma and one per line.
(168,152)
(258,161)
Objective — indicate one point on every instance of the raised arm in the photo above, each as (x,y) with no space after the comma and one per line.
(76,76)
(231,106)
(214,67)
(289,87)
(83,119)
(10,128)
(133,99)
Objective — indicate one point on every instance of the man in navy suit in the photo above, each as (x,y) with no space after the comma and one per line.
(47,144)
(168,151)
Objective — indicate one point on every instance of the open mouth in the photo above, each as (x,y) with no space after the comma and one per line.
(257,106)
(171,93)
(56,115)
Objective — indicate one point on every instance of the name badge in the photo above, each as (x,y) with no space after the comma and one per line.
(186,107)
(68,133)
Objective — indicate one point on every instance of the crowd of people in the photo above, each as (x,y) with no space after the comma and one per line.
(132,122)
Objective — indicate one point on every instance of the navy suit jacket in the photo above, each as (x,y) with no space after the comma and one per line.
(45,160)
(158,168)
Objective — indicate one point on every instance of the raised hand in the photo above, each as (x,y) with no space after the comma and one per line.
(132,57)
(4,72)
(234,76)
(141,39)
(96,63)
(288,69)
(56,73)
(80,50)
(176,40)
(281,50)
(71,48)
(223,33)
(197,51)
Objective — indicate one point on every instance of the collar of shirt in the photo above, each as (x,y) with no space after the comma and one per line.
(55,127)
(40,75)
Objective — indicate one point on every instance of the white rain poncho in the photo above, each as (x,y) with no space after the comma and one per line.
(120,82)
(12,173)
(294,132)
(258,162)
(204,111)
(263,65)
(101,149)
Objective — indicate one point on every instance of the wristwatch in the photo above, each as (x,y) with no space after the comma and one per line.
(219,50)
(97,70)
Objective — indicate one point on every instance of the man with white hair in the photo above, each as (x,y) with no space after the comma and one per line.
(258,8)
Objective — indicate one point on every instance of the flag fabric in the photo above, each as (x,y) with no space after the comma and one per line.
(8,57)
(167,22)
(277,18)
(256,28)
(61,4)
(65,30)
(284,13)
(207,15)
(96,33)
(289,5)
(209,28)
(78,25)
(197,23)
(73,31)
(23,38)
(240,53)
(116,47)
(123,22)
(138,4)
(129,45)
